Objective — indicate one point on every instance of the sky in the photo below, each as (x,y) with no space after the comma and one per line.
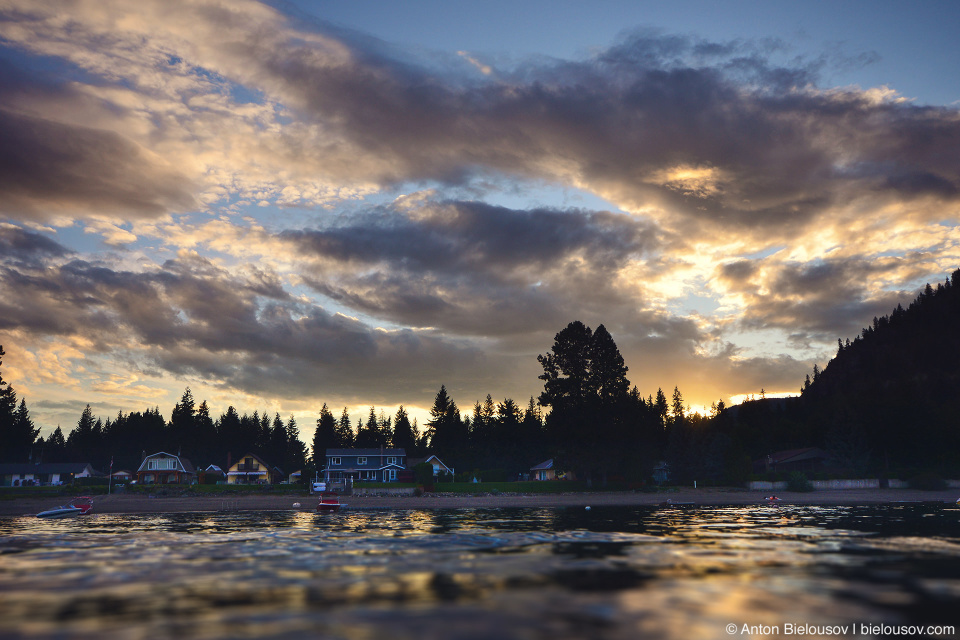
(286,204)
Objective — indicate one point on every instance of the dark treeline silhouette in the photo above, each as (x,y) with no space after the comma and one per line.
(887,404)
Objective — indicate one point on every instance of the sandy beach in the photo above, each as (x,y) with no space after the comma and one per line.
(130,504)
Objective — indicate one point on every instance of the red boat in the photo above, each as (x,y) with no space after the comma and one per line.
(329,501)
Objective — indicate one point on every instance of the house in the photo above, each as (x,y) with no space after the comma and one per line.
(44,473)
(252,469)
(346,466)
(661,473)
(437,464)
(166,468)
(121,476)
(544,471)
(212,475)
(806,459)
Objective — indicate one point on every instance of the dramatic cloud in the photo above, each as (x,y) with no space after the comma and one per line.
(471,268)
(210,193)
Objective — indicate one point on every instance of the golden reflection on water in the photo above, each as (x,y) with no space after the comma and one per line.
(478,573)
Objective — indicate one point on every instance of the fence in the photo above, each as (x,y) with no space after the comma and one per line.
(866,483)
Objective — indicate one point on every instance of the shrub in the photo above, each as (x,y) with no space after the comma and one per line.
(928,481)
(797,481)
(423,473)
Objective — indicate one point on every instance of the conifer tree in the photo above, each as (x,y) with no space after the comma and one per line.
(345,435)
(8,406)
(403,435)
(325,437)
(296,457)
(448,435)
(22,434)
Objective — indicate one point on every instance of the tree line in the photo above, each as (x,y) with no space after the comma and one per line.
(887,404)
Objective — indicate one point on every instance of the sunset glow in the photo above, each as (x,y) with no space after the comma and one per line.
(282,206)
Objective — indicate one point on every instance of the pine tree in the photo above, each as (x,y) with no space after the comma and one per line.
(608,373)
(8,406)
(55,449)
(368,434)
(23,433)
(345,435)
(403,435)
(182,425)
(325,437)
(296,456)
(448,435)
(277,451)
(677,406)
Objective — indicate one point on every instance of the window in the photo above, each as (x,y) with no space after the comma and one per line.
(361,461)
(390,475)
(392,460)
(161,464)
(334,461)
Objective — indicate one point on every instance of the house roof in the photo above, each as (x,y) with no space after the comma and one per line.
(185,465)
(543,466)
(375,459)
(793,455)
(266,465)
(412,462)
(367,452)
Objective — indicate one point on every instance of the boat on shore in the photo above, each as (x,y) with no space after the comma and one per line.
(329,501)
(79,506)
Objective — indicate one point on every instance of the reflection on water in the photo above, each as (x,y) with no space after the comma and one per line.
(481,573)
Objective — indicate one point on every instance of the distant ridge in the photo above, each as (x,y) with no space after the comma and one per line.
(896,387)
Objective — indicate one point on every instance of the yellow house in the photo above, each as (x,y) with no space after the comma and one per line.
(251,469)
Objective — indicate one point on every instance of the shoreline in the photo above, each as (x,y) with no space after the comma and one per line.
(120,503)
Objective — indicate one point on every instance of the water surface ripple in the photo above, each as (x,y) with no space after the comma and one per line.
(611,572)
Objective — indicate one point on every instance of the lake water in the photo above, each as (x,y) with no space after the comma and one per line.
(607,572)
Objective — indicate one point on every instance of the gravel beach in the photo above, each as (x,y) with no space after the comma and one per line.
(128,503)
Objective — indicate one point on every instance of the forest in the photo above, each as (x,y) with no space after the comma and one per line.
(886,405)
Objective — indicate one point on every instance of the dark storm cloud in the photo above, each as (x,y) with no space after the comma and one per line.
(22,248)
(240,330)
(821,301)
(49,168)
(468,266)
(782,151)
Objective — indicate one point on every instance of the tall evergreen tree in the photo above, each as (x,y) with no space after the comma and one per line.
(55,448)
(231,437)
(608,373)
(23,433)
(566,369)
(660,408)
(82,440)
(182,436)
(8,407)
(368,434)
(205,436)
(448,435)
(277,451)
(296,457)
(325,437)
(403,435)
(585,384)
(677,406)
(345,435)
